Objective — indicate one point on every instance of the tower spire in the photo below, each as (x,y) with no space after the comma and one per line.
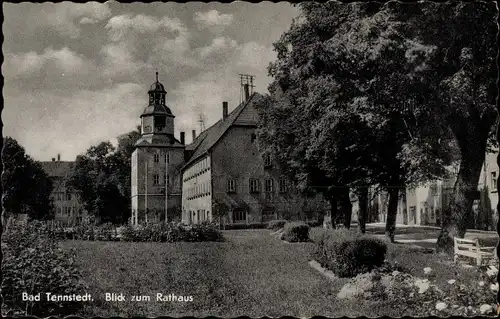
(156,76)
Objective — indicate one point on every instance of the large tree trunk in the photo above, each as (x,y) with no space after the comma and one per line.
(346,207)
(363,208)
(457,217)
(472,138)
(392,210)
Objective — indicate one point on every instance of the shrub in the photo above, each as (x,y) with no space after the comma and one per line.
(257,225)
(172,232)
(276,224)
(296,232)
(348,253)
(33,263)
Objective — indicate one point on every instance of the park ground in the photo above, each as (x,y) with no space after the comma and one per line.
(250,274)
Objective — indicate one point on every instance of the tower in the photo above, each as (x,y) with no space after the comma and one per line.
(155,162)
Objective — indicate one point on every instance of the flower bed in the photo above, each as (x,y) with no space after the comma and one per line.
(34,264)
(158,232)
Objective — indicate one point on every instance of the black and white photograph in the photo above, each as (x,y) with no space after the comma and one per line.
(335,159)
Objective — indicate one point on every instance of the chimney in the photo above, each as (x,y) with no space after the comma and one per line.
(247,92)
(194,134)
(58,157)
(53,159)
(224,110)
(183,137)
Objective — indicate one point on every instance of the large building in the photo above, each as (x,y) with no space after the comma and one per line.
(68,209)
(156,162)
(226,175)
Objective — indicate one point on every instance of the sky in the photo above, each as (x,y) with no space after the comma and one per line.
(78,74)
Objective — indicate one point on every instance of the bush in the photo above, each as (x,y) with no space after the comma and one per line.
(276,224)
(252,225)
(348,253)
(296,232)
(172,232)
(33,263)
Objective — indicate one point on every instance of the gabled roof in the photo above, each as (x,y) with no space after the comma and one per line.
(59,172)
(208,138)
(58,168)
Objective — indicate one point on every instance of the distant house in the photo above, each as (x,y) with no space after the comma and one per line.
(424,205)
(68,208)
(226,175)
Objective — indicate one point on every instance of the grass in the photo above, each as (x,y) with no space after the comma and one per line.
(250,274)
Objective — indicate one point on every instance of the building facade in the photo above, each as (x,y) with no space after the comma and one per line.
(424,205)
(227,179)
(68,208)
(156,163)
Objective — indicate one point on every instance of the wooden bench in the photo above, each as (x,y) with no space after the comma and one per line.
(471,248)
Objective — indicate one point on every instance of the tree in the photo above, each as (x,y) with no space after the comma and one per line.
(349,108)
(26,186)
(102,176)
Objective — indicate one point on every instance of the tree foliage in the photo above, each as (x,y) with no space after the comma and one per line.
(26,186)
(102,176)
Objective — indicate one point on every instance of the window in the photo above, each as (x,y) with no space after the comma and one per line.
(493,180)
(239,215)
(164,180)
(269,185)
(267,160)
(167,157)
(283,185)
(68,196)
(434,189)
(253,137)
(156,157)
(254,185)
(156,179)
(230,186)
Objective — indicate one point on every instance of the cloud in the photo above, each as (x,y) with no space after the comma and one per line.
(63,15)
(145,42)
(212,20)
(48,123)
(219,46)
(120,26)
(31,63)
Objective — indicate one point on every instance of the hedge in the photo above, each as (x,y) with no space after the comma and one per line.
(348,253)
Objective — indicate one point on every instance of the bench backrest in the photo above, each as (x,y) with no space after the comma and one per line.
(459,241)
(466,245)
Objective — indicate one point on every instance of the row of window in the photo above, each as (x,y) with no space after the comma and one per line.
(156,157)
(197,169)
(199,190)
(200,215)
(67,211)
(254,185)
(62,196)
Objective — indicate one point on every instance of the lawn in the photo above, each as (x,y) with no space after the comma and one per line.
(250,274)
